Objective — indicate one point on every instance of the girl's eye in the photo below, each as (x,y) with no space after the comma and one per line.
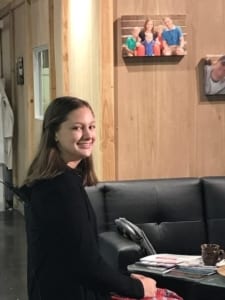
(77,128)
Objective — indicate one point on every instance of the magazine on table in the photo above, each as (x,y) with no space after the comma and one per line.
(190,272)
(164,263)
(171,260)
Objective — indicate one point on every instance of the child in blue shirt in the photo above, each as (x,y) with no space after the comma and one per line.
(172,37)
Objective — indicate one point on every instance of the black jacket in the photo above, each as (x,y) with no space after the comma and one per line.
(64,262)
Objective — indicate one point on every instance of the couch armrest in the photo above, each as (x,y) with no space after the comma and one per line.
(118,251)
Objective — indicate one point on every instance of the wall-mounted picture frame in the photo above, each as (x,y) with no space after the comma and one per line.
(153,35)
(19,70)
(214,75)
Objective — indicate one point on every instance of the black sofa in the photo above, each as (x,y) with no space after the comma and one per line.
(177,215)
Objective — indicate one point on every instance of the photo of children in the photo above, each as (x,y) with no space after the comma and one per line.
(214,75)
(153,36)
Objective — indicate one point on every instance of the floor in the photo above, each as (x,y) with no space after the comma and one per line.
(12,256)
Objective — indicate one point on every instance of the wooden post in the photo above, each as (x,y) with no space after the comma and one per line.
(108,144)
(52,49)
(65,57)
(29,84)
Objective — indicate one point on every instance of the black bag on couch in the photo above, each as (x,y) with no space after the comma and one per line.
(134,233)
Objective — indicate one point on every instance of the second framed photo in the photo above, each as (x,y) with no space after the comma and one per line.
(214,75)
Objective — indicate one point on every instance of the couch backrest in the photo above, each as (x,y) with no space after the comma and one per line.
(214,195)
(169,210)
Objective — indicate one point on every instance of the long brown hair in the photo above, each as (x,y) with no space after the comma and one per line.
(154,32)
(146,23)
(48,162)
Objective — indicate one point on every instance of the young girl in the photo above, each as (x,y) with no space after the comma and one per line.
(64,262)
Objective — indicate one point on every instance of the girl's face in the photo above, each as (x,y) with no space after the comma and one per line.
(76,136)
(135,32)
(149,25)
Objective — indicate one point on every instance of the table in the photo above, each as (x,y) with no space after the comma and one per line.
(206,288)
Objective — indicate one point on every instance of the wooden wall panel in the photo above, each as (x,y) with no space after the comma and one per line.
(30,29)
(165,126)
(40,23)
(210,145)
(21,102)
(52,68)
(65,55)
(152,119)
(83,65)
(209,125)
(107,91)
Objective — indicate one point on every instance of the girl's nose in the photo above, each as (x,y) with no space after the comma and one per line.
(87,133)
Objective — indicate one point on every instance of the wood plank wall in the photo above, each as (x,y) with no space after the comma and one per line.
(107,103)
(154,120)
(164,126)
(83,37)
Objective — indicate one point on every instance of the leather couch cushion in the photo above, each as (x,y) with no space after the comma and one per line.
(214,193)
(169,210)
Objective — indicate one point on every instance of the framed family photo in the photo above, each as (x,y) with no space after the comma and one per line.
(153,35)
